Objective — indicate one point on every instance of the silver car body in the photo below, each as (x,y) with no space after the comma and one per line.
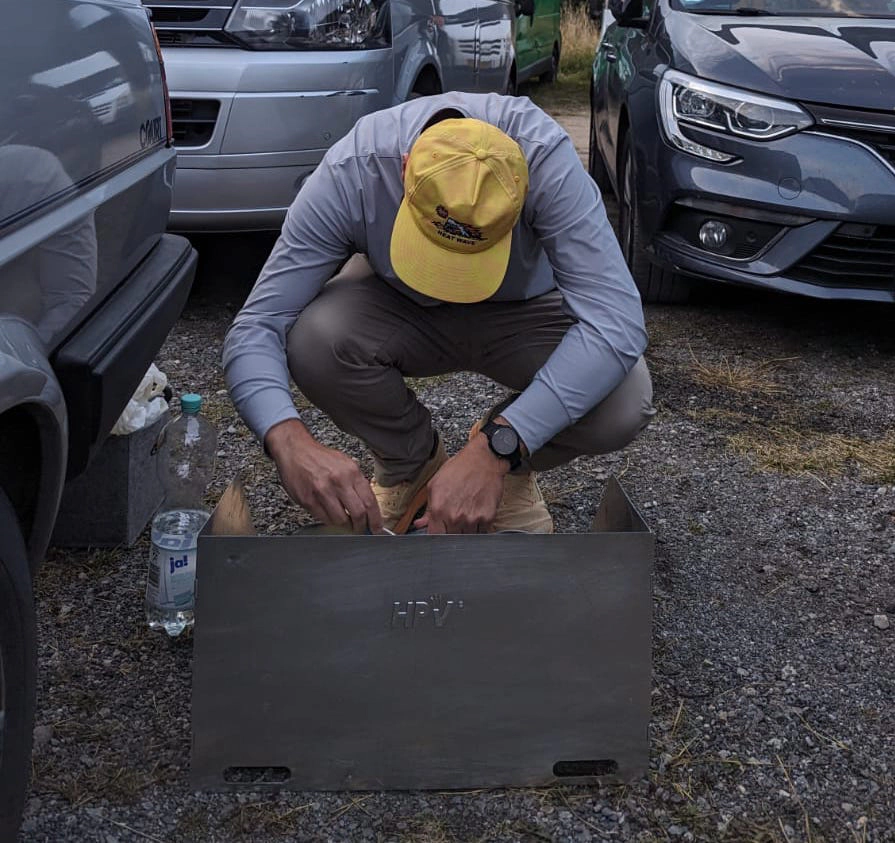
(251,125)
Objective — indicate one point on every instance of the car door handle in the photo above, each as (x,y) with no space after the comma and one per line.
(610,54)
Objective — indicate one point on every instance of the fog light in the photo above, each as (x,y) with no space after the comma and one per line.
(713,234)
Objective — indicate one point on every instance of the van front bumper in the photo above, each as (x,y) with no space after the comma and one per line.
(251,126)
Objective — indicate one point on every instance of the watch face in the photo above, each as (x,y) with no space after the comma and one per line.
(505,441)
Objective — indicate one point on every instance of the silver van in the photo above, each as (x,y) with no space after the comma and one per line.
(260,89)
(90,285)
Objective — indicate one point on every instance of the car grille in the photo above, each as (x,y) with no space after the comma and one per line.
(193,121)
(854,255)
(873,128)
(191,23)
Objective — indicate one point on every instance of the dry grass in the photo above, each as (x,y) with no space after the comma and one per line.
(788,445)
(108,780)
(785,449)
(579,41)
(267,817)
(741,376)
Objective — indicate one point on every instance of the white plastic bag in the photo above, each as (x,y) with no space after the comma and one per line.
(146,406)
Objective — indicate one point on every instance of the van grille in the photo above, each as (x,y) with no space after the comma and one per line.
(854,255)
(193,121)
(191,23)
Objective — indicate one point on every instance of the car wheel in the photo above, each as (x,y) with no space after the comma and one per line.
(595,165)
(511,83)
(655,283)
(18,671)
(550,76)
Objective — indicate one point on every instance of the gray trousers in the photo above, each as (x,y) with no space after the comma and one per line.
(353,345)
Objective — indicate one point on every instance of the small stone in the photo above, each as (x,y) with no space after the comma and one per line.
(788,672)
(42,736)
(847,807)
(231,429)
(677,830)
(222,453)
(881,621)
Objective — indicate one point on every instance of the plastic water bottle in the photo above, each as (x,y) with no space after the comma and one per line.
(186,465)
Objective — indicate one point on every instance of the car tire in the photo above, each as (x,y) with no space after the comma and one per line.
(595,165)
(512,87)
(18,671)
(550,76)
(655,283)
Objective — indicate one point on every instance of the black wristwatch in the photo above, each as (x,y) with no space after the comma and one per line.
(504,443)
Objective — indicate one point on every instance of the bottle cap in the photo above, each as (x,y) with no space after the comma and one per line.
(190,403)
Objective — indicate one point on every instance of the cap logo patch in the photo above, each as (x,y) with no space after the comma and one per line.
(452,229)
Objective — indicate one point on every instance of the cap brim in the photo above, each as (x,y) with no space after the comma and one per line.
(445,274)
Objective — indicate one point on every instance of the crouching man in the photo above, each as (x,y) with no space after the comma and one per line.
(487,249)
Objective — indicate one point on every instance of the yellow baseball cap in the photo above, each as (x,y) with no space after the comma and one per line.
(464,188)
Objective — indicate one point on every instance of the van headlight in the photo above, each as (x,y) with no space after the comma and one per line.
(687,101)
(310,24)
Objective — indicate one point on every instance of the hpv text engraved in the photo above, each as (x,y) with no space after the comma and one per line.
(436,610)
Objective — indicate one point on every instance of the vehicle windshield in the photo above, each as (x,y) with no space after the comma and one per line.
(801,8)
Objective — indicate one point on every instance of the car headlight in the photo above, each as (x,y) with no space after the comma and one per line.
(310,24)
(687,101)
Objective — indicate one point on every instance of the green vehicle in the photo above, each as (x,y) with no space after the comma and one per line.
(538,40)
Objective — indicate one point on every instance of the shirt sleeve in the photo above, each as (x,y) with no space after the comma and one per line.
(608,337)
(314,242)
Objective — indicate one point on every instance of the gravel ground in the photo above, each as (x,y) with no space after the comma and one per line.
(769,479)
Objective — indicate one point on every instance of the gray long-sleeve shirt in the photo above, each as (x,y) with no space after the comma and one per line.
(562,240)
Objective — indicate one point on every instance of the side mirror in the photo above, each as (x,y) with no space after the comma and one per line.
(628,13)
(525,8)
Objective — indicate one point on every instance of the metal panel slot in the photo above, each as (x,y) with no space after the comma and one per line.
(591,767)
(257,775)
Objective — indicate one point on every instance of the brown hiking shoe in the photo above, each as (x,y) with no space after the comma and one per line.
(522,506)
(400,503)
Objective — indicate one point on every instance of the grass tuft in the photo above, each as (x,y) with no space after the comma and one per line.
(740,376)
(579,44)
(579,41)
(787,450)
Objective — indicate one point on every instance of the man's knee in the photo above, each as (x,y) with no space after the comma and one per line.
(317,347)
(325,340)
(624,413)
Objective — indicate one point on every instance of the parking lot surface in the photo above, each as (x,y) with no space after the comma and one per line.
(768,477)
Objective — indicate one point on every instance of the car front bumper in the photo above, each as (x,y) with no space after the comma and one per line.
(251,126)
(819,209)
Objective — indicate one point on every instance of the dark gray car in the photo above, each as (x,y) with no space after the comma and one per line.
(751,143)
(90,285)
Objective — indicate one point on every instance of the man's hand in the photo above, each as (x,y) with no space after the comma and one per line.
(326,482)
(466,491)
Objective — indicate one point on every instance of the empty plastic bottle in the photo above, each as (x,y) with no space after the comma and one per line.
(186,464)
